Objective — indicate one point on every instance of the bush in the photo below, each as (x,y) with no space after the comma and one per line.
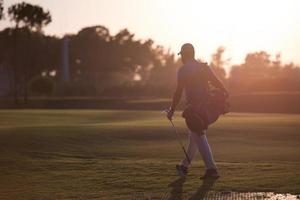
(75,89)
(42,85)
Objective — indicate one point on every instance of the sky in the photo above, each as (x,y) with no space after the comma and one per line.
(240,26)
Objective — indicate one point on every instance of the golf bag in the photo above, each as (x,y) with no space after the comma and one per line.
(199,117)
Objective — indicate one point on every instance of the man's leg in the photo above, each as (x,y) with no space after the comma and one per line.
(204,149)
(191,151)
(182,169)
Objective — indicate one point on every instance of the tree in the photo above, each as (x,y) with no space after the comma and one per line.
(260,73)
(90,55)
(218,63)
(163,74)
(33,18)
(104,61)
(1,9)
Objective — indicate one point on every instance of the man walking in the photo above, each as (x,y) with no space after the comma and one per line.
(194,78)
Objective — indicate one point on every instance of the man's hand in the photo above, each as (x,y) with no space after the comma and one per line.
(170,113)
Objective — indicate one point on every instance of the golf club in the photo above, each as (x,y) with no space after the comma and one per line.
(178,137)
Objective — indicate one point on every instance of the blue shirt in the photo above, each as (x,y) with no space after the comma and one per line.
(195,77)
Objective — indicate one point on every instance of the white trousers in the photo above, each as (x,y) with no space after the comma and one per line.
(199,143)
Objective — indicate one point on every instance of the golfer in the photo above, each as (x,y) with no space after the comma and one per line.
(194,78)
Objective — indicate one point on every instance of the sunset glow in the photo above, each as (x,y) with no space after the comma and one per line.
(240,26)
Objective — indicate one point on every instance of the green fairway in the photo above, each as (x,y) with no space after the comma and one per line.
(111,154)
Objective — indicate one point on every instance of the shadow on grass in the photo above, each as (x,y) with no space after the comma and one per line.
(176,192)
(204,189)
(177,189)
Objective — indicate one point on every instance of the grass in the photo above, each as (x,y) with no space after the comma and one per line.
(118,154)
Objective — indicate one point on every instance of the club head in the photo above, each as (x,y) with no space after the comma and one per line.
(166,112)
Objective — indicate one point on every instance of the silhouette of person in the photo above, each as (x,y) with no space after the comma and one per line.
(202,192)
(176,192)
(193,78)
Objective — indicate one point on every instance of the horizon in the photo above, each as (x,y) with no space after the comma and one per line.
(274,28)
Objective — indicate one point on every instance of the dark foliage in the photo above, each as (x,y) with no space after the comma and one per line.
(1,9)
(120,65)
(42,85)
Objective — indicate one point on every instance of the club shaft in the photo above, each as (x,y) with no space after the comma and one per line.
(180,142)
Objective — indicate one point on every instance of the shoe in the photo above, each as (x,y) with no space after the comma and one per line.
(211,173)
(181,170)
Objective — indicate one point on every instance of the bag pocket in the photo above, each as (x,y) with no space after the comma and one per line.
(195,119)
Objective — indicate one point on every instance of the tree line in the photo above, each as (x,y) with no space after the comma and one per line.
(102,64)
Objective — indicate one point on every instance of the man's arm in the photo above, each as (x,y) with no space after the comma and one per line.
(176,99)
